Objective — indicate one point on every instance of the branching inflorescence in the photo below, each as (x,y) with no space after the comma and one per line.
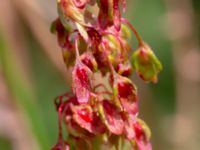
(95,40)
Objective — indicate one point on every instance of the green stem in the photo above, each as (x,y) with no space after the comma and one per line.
(137,35)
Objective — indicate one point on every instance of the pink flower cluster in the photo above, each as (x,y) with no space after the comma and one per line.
(95,42)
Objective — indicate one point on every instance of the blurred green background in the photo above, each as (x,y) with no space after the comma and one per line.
(32,73)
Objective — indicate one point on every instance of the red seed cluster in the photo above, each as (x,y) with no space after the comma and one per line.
(94,39)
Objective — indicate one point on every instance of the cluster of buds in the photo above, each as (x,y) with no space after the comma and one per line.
(95,42)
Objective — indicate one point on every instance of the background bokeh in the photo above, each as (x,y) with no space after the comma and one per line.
(32,73)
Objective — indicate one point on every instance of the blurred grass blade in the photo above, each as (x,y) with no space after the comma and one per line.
(22,93)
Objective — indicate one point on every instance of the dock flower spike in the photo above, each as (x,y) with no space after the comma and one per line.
(94,38)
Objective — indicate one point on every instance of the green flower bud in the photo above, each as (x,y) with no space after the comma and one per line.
(68,56)
(125,32)
(67,10)
(146,63)
(113,49)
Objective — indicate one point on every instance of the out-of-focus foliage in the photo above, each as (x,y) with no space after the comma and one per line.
(196,4)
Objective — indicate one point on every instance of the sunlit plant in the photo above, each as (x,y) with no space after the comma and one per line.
(95,42)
